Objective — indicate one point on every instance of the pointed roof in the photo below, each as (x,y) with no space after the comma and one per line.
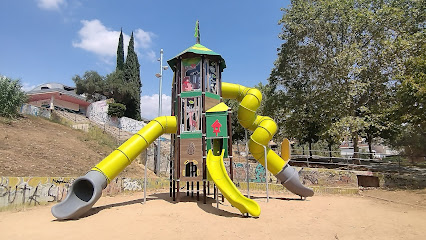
(197,49)
(221,107)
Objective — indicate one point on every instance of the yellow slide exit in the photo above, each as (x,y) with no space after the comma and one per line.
(220,177)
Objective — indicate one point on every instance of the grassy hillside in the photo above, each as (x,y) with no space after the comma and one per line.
(32,146)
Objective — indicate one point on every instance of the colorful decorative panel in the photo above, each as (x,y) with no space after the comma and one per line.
(191,159)
(191,114)
(216,125)
(191,77)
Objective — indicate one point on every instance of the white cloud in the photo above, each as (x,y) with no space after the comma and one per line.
(28,86)
(143,39)
(149,106)
(51,4)
(97,38)
(151,56)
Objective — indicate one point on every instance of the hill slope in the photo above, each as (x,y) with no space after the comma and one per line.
(32,146)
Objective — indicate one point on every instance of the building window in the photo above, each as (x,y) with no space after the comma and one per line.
(191,114)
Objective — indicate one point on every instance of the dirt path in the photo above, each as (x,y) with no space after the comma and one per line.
(320,217)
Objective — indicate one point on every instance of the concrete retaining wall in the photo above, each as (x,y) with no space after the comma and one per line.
(32,191)
(18,192)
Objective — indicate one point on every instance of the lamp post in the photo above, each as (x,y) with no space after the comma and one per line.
(160,76)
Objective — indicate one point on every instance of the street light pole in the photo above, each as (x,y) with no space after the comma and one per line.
(159,111)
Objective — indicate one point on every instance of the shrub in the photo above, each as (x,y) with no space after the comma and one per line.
(11,97)
(116,109)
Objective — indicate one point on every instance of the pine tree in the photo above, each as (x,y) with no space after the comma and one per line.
(120,53)
(132,77)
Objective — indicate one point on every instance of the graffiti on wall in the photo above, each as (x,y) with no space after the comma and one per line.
(35,111)
(32,191)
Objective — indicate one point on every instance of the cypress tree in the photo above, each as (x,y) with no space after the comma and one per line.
(132,77)
(120,53)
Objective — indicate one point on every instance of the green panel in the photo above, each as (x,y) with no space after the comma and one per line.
(212,95)
(208,145)
(216,114)
(216,125)
(191,135)
(190,94)
(225,146)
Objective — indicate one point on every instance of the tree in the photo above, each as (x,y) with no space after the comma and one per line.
(338,64)
(408,113)
(132,77)
(116,109)
(92,84)
(11,97)
(120,53)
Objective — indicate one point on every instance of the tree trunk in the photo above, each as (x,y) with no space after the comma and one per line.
(329,152)
(356,149)
(370,143)
(310,149)
(303,150)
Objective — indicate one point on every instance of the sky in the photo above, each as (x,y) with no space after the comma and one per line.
(46,41)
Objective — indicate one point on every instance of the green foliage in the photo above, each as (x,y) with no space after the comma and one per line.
(132,78)
(337,67)
(92,84)
(408,113)
(120,53)
(11,97)
(116,87)
(116,109)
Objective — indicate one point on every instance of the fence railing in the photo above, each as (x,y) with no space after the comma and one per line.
(334,159)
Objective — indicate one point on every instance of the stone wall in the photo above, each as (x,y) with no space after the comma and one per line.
(308,176)
(98,112)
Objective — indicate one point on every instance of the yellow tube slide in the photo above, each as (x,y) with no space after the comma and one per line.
(114,163)
(220,177)
(264,127)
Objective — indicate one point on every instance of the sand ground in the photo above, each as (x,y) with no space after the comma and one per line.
(375,214)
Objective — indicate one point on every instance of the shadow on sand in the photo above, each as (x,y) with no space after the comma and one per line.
(209,207)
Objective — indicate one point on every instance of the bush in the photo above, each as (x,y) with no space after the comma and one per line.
(116,109)
(11,97)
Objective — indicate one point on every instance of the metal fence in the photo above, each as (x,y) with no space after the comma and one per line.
(364,161)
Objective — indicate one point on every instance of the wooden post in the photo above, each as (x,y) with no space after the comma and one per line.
(174,190)
(177,190)
(230,153)
(204,192)
(198,191)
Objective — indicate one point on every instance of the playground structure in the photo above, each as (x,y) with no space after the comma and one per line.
(201,138)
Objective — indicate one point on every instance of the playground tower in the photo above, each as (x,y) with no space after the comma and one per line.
(196,94)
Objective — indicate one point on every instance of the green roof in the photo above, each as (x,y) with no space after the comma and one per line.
(197,49)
